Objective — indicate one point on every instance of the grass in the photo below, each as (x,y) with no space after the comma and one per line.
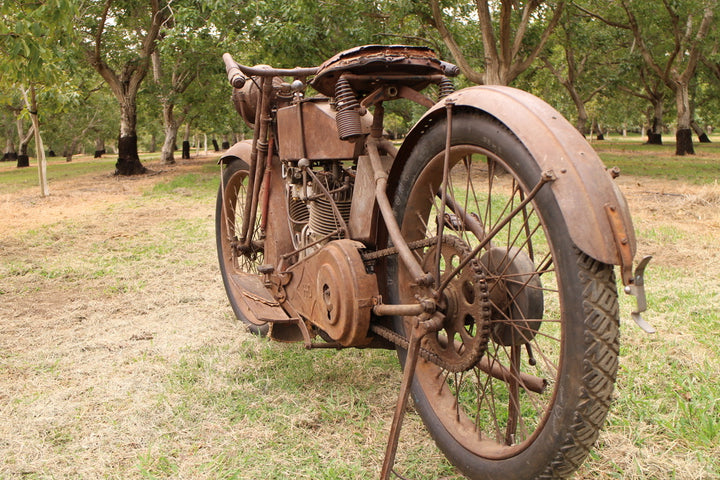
(119,356)
(660,161)
(13,179)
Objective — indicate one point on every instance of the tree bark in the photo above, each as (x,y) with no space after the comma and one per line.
(99,148)
(9,155)
(72,149)
(655,132)
(683,136)
(186,143)
(684,142)
(128,162)
(702,136)
(23,159)
(168,149)
(171,125)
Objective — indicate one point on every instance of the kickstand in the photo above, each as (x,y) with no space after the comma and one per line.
(420,328)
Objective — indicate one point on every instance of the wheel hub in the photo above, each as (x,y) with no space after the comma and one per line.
(515,292)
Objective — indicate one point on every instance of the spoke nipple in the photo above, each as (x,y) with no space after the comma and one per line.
(548,176)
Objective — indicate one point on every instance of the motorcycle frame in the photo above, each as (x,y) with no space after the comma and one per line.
(593,207)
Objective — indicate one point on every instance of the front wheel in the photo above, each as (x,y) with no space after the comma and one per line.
(235,260)
(518,381)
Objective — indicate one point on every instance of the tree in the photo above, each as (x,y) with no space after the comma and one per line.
(34,36)
(582,60)
(671,45)
(513,34)
(121,38)
(190,47)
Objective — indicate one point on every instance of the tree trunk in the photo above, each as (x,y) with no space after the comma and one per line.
(128,162)
(168,149)
(10,155)
(596,127)
(654,138)
(71,150)
(215,145)
(683,135)
(702,136)
(582,118)
(99,148)
(23,159)
(186,143)
(684,142)
(32,107)
(225,142)
(167,155)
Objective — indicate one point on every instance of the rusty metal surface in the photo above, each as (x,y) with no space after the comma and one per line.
(278,238)
(377,59)
(583,186)
(316,138)
(239,150)
(256,302)
(334,292)
(363,210)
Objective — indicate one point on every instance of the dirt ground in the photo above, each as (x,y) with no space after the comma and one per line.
(79,320)
(77,316)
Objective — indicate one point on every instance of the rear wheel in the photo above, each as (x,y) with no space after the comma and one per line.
(541,316)
(235,259)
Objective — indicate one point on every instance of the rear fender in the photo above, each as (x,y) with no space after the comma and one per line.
(592,206)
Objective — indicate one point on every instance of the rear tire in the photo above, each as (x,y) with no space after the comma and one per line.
(543,291)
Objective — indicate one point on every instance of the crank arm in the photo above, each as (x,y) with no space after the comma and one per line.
(637,289)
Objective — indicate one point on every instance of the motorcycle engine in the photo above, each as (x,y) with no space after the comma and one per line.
(318,203)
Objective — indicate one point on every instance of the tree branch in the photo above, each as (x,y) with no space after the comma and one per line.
(452,45)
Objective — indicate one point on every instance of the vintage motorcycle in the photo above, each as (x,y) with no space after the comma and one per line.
(482,249)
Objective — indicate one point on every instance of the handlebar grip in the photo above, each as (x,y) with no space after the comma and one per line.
(235,76)
(450,69)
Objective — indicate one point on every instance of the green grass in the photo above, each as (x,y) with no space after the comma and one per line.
(235,406)
(660,161)
(13,179)
(191,183)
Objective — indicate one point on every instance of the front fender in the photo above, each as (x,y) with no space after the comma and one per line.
(592,206)
(240,150)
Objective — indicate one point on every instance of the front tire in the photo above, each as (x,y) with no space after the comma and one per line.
(533,405)
(234,262)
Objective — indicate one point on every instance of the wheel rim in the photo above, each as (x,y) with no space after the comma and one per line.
(498,415)
(236,260)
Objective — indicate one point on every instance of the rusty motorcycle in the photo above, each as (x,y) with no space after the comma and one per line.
(482,249)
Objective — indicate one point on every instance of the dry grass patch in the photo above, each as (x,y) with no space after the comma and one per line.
(119,357)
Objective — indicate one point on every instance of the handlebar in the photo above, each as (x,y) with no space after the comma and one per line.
(237,74)
(234,74)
